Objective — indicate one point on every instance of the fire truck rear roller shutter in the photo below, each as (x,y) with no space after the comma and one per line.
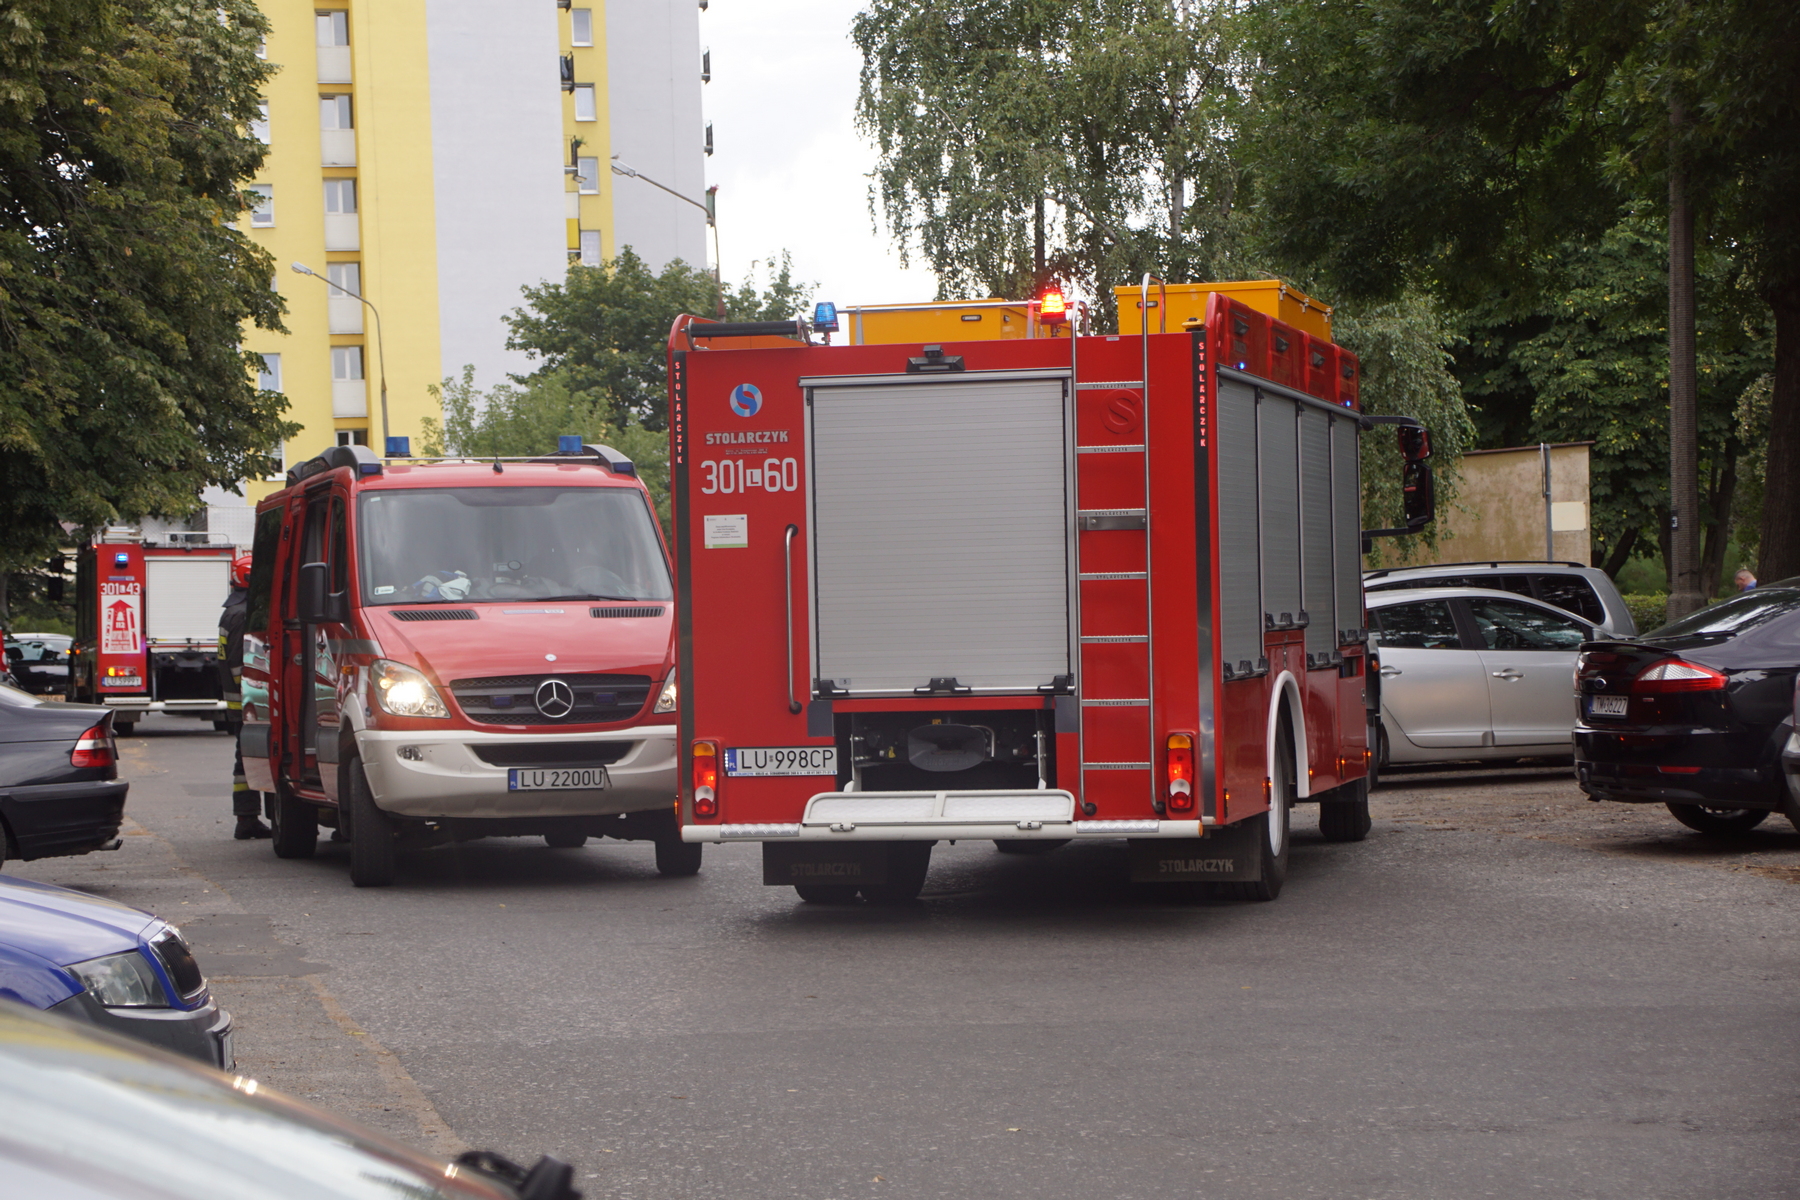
(940,535)
(1347,512)
(1240,570)
(1316,534)
(1279,460)
(182,596)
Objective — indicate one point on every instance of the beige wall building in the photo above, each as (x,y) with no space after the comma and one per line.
(1502,511)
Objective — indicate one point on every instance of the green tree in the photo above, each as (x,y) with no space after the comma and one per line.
(124,287)
(602,331)
(1086,141)
(1449,143)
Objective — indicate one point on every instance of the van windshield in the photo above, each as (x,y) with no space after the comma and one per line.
(444,545)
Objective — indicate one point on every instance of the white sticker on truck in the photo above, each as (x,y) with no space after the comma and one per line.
(727,532)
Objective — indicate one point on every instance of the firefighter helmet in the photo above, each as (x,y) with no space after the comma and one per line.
(240,571)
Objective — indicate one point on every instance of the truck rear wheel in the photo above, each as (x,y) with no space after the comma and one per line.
(565,841)
(825,893)
(1029,845)
(675,858)
(372,849)
(1344,812)
(906,867)
(1271,828)
(123,728)
(294,824)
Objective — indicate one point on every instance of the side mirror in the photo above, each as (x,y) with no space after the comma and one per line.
(316,604)
(1418,494)
(1415,444)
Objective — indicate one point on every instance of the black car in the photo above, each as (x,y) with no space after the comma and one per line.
(60,791)
(1695,715)
(39,662)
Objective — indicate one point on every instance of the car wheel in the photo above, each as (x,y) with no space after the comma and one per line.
(294,825)
(1705,819)
(372,848)
(906,867)
(1344,813)
(826,893)
(1271,828)
(676,858)
(565,841)
(1029,845)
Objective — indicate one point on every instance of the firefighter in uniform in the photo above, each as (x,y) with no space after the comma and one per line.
(246,805)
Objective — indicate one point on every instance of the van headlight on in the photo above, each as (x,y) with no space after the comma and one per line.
(665,701)
(122,981)
(404,692)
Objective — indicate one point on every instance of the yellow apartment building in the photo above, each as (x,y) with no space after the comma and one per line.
(435,157)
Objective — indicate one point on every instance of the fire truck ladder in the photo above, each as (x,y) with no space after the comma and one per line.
(1118,733)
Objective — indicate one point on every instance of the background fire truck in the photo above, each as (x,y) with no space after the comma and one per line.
(147,627)
(993,580)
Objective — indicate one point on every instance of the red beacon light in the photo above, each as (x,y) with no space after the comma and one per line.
(1052,308)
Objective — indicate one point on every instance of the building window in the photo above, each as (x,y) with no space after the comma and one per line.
(262,47)
(346,362)
(334,28)
(262,205)
(259,128)
(340,195)
(269,378)
(587,176)
(581,26)
(709,139)
(590,247)
(353,437)
(706,65)
(334,112)
(344,276)
(584,103)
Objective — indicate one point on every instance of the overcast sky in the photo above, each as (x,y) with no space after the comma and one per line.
(792,172)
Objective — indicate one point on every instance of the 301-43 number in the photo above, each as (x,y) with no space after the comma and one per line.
(725,476)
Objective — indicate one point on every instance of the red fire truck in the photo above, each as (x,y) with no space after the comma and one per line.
(147,626)
(439,650)
(1033,587)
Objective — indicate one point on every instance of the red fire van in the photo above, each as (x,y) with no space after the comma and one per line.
(440,650)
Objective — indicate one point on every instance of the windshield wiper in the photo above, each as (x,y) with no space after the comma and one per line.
(583,596)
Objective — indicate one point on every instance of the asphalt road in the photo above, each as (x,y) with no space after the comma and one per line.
(1505,991)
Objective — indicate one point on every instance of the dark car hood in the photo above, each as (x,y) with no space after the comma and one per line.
(65,926)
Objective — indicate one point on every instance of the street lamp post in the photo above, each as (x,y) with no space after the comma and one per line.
(710,208)
(380,348)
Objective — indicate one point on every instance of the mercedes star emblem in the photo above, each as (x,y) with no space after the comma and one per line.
(555,699)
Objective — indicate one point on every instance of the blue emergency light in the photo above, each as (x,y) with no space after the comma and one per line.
(568,443)
(825,317)
(121,560)
(399,447)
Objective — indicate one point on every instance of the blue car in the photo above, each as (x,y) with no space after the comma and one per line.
(109,965)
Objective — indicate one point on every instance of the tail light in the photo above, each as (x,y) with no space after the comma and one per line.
(93,749)
(706,779)
(1673,675)
(1181,772)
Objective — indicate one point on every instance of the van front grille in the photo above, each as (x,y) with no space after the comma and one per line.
(514,699)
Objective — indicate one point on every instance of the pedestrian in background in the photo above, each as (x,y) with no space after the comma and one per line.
(246,805)
(1745,580)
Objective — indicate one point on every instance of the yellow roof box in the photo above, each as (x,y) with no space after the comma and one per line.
(939,321)
(1188,301)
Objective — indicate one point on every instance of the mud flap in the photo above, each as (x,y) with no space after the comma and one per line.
(851,864)
(1227,854)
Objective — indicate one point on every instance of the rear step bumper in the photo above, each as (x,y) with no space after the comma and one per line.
(1047,815)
